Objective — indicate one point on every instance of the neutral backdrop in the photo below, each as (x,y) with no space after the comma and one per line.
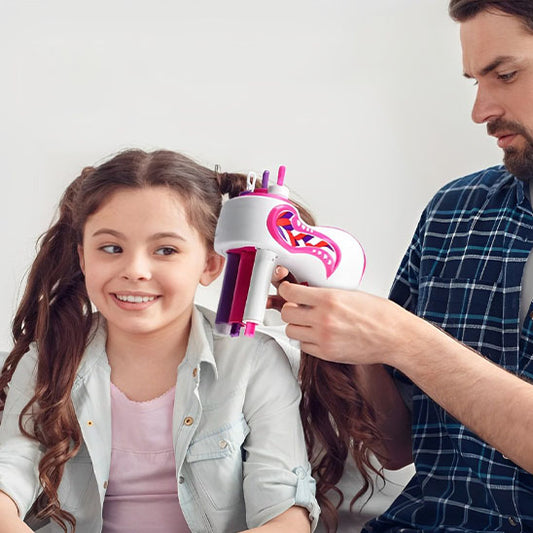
(363,101)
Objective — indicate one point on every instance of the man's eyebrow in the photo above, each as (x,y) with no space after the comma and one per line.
(491,66)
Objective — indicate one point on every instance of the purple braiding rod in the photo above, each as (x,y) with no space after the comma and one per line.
(264,182)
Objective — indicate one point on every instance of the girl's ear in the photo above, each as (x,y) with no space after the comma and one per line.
(214,264)
(81,258)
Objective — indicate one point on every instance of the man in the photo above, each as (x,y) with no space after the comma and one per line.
(472,414)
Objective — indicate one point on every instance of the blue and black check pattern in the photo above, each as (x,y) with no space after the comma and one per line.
(463,272)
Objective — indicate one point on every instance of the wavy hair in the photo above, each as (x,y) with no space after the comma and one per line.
(55,310)
(339,421)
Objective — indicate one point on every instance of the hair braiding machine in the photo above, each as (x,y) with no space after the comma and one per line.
(260,229)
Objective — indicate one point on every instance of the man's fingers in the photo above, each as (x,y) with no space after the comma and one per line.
(300,294)
(292,313)
(303,334)
(279,274)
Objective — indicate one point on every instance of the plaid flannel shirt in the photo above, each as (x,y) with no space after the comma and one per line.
(463,272)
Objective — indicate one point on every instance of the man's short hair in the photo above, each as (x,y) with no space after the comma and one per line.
(462,10)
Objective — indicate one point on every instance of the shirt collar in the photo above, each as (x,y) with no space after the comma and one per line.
(95,353)
(508,179)
(200,345)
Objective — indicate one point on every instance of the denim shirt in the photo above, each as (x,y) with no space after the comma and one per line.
(463,272)
(238,441)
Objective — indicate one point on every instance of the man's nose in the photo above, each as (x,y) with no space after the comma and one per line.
(486,107)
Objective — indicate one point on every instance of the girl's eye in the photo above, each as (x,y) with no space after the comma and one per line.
(111,249)
(166,250)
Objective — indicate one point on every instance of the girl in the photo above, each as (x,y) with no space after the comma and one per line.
(138,417)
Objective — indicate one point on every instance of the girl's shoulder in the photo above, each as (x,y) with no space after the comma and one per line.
(269,341)
(23,379)
(269,336)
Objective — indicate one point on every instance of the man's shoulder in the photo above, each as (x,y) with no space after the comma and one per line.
(487,178)
(473,190)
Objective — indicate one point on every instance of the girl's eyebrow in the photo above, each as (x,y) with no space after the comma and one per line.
(166,235)
(108,231)
(154,237)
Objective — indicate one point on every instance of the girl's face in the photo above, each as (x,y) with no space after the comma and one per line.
(143,261)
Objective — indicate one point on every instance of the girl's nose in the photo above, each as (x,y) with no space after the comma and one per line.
(136,267)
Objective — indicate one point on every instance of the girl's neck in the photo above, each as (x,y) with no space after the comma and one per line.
(145,366)
(163,343)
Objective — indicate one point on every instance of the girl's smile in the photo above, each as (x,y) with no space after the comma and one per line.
(134,301)
(143,260)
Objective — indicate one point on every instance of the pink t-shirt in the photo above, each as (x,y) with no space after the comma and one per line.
(142,490)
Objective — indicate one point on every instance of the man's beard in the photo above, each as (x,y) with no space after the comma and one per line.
(518,162)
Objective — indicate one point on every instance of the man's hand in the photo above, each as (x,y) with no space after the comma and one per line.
(347,326)
(275,301)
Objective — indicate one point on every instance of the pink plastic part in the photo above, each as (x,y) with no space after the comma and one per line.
(281,175)
(242,284)
(249,330)
(329,255)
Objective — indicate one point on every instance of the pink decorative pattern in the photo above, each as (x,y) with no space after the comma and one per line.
(286,229)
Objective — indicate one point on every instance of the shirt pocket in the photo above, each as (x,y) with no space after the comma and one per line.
(467,308)
(76,480)
(215,459)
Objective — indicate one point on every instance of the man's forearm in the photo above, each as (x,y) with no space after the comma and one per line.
(353,327)
(491,402)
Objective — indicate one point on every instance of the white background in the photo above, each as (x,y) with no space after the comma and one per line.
(363,101)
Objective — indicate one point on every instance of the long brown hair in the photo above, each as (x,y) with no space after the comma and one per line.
(55,311)
(338,422)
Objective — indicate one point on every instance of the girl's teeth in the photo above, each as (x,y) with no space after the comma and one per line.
(135,299)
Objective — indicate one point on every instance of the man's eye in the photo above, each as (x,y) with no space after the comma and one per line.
(111,249)
(507,77)
(166,250)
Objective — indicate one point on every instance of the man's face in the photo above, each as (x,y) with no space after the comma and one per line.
(498,55)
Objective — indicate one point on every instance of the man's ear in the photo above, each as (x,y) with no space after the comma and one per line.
(213,267)
(81,258)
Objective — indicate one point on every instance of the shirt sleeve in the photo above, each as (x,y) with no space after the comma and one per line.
(404,292)
(19,455)
(277,473)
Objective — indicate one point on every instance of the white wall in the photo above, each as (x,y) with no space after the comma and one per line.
(362,100)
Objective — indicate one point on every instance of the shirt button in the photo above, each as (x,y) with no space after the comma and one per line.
(181,479)
(223,444)
(512,521)
(189,421)
(90,423)
(194,372)
(105,484)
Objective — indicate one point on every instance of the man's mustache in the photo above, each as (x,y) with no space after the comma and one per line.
(507,126)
